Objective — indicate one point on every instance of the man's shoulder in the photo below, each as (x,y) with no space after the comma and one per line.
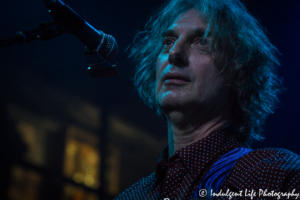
(278,158)
(270,168)
(138,190)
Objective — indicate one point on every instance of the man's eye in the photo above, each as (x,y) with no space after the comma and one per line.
(202,42)
(167,42)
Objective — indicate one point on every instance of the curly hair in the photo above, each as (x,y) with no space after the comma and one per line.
(239,42)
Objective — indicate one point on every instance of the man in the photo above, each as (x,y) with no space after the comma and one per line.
(209,70)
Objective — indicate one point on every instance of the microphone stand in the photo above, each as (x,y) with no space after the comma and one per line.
(44,32)
(98,66)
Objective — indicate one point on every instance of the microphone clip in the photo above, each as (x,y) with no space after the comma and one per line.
(98,66)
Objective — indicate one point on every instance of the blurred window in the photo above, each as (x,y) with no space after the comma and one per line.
(82,158)
(25,184)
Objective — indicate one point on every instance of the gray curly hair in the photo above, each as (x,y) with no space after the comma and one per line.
(237,39)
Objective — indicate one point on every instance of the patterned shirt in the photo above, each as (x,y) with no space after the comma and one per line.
(261,174)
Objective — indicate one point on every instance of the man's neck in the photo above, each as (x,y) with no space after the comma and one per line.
(184,130)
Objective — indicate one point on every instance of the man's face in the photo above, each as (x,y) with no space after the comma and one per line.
(186,75)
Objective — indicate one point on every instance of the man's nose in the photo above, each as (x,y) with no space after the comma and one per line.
(178,54)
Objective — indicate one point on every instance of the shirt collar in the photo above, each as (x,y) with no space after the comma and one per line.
(199,154)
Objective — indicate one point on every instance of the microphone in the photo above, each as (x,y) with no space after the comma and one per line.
(101,48)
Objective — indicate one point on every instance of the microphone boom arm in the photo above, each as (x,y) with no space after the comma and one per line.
(45,31)
(101,48)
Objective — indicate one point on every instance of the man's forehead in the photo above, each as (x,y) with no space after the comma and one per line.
(189,21)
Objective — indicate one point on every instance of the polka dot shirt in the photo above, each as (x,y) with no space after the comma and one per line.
(178,177)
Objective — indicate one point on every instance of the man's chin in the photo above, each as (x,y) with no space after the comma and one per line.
(169,105)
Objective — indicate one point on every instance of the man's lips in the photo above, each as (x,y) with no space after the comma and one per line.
(175,77)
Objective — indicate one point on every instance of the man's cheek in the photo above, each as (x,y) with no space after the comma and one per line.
(162,60)
(156,90)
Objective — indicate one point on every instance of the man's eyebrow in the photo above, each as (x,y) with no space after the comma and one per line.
(169,32)
(198,32)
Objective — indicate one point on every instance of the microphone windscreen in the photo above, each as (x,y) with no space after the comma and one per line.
(109,49)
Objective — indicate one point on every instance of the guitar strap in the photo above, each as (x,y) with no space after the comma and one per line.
(218,173)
